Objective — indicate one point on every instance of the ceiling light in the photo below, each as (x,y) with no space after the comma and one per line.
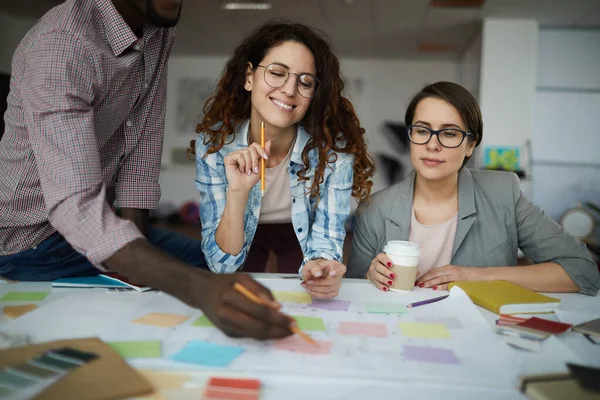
(246,5)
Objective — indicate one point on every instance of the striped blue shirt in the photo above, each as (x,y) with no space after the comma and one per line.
(320,231)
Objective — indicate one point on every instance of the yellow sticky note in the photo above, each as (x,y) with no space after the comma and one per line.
(17,311)
(161,319)
(424,331)
(292,297)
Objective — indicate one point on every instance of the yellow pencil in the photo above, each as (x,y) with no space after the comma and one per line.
(262,160)
(243,290)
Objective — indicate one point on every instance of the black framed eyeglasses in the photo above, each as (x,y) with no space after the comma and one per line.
(277,75)
(449,137)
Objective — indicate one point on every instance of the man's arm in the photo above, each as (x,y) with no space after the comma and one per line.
(139,217)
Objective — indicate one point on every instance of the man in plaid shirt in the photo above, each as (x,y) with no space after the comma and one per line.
(84,128)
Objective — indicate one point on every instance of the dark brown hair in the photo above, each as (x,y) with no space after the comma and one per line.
(330,120)
(459,98)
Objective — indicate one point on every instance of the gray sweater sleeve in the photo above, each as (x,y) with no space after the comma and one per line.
(543,240)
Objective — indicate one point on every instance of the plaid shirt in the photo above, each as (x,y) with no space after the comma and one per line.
(84,127)
(320,231)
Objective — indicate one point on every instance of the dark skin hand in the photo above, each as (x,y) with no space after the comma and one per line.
(214,294)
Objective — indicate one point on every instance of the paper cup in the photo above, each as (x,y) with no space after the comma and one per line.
(405,258)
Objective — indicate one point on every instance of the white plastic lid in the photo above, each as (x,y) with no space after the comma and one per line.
(401,247)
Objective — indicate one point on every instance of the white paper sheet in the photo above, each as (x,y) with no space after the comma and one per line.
(485,360)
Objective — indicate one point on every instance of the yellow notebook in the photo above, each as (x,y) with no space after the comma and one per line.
(503,297)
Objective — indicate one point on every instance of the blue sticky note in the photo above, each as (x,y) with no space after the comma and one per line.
(208,354)
(87,282)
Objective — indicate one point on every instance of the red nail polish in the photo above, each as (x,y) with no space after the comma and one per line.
(389,264)
(392,276)
(435,288)
(421,285)
(385,289)
(390,283)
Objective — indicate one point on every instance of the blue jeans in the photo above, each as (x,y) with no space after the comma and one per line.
(55,258)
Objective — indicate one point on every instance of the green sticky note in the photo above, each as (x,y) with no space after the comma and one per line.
(386,308)
(203,322)
(137,349)
(24,296)
(292,297)
(310,323)
(424,331)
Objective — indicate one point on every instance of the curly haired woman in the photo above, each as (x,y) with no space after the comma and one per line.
(285,76)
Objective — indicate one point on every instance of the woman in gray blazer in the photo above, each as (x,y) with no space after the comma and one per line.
(463,219)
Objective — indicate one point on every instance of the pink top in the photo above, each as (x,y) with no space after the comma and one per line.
(276,204)
(436,242)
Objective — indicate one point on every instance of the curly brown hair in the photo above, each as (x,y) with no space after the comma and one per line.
(330,120)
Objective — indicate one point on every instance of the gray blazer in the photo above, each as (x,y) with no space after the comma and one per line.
(494,221)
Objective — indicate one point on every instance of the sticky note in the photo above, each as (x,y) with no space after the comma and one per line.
(424,331)
(137,349)
(430,354)
(450,322)
(374,329)
(292,297)
(310,323)
(164,380)
(203,322)
(209,354)
(386,308)
(17,311)
(333,305)
(297,344)
(232,389)
(161,319)
(24,296)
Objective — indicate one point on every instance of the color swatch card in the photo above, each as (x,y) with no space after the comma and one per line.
(430,354)
(24,296)
(28,379)
(297,344)
(207,354)
(424,331)
(163,320)
(333,305)
(372,329)
(386,308)
(137,348)
(309,323)
(232,389)
(292,297)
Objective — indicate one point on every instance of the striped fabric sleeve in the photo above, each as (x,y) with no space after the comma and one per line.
(58,91)
(328,231)
(211,183)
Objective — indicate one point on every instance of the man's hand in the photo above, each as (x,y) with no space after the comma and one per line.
(235,314)
(439,278)
(323,278)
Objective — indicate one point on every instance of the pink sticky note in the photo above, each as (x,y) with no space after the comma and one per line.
(296,343)
(375,329)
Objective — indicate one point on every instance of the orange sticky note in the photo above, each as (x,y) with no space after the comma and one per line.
(17,311)
(163,320)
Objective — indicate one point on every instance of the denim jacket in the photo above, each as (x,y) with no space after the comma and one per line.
(320,231)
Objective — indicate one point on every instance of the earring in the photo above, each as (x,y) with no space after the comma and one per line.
(247,87)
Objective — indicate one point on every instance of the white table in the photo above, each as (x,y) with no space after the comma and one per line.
(574,306)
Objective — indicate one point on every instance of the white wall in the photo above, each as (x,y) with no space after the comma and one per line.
(12,30)
(508,80)
(379,89)
(565,141)
(469,65)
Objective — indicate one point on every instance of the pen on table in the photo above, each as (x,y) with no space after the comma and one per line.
(243,290)
(262,160)
(428,301)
